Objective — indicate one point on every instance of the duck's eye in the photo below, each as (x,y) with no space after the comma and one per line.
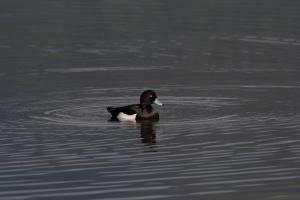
(151,96)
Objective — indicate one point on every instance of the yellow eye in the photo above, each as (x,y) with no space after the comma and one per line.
(151,96)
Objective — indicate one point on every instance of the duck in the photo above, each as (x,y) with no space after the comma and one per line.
(137,112)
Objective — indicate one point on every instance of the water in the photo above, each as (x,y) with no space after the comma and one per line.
(227,72)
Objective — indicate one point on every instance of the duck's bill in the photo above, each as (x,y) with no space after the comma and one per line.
(157,102)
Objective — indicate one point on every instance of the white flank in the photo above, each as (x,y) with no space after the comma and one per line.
(126,118)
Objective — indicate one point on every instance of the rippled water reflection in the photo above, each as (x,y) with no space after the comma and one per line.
(66,147)
(227,73)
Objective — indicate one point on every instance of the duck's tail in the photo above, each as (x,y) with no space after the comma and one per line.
(113,111)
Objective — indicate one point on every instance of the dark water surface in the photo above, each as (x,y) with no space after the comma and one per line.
(227,71)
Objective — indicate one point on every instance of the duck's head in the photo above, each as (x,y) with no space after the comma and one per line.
(149,97)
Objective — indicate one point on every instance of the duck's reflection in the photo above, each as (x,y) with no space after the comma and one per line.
(147,129)
(148,135)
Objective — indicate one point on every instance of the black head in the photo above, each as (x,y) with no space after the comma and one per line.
(149,97)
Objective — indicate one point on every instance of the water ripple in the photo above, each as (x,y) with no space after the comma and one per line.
(64,146)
